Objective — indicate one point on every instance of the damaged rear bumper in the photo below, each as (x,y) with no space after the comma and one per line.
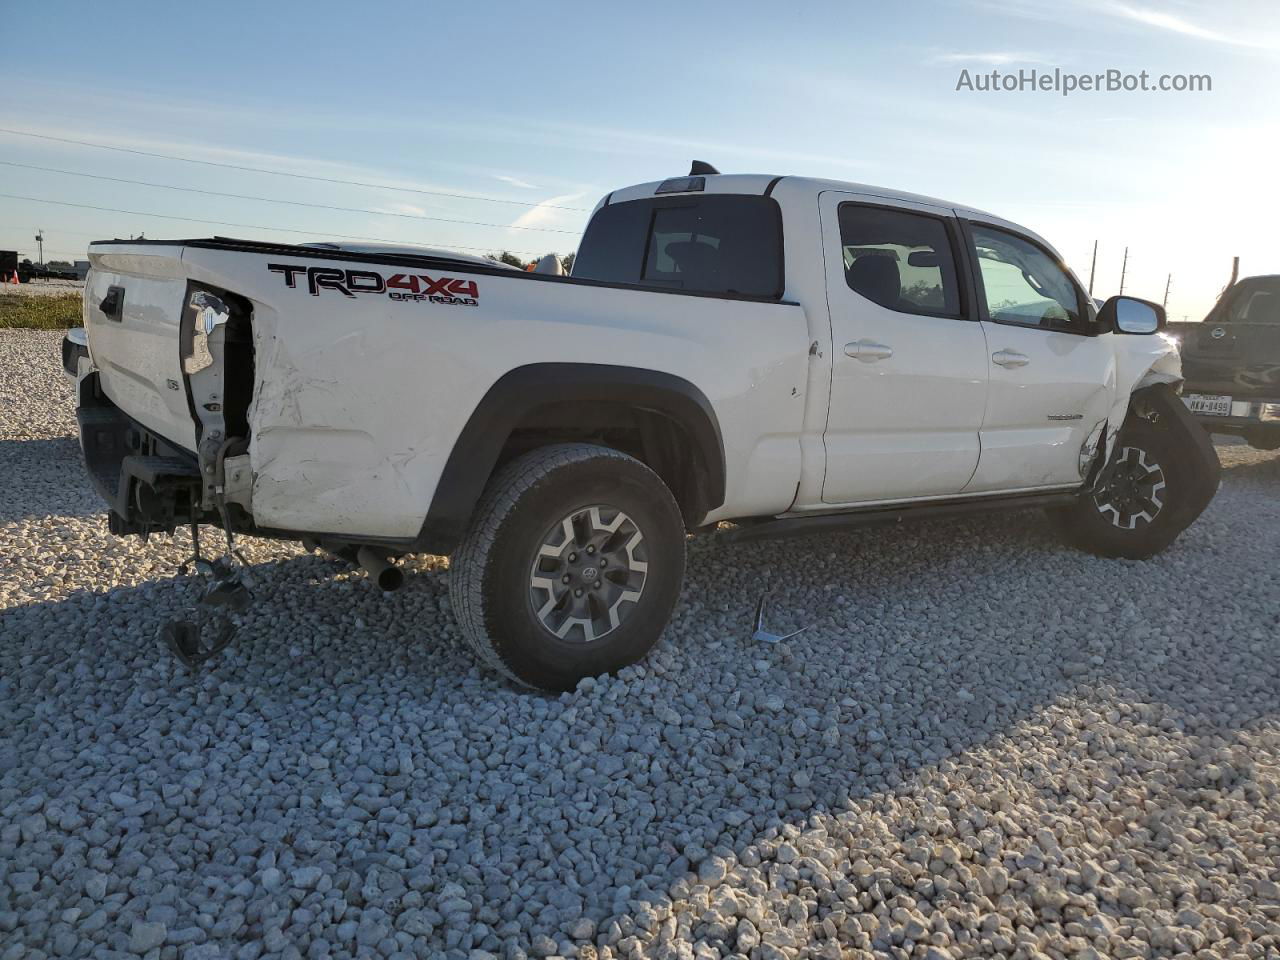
(75,353)
(150,484)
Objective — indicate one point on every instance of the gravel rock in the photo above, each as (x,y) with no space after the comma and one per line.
(146,935)
(307,877)
(986,744)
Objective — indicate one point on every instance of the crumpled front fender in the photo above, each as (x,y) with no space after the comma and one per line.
(1165,409)
(1143,362)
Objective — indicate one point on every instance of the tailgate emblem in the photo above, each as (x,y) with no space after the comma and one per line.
(1218,333)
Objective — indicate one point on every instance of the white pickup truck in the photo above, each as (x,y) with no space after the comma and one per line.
(789,354)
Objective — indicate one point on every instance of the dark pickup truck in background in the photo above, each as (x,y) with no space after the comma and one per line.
(1231,362)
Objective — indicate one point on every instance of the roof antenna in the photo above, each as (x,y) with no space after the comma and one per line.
(701,168)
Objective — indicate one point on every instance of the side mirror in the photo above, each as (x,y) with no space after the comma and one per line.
(1131,315)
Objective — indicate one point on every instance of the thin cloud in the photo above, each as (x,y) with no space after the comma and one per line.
(546,212)
(1174,24)
(1084,12)
(614,140)
(515,181)
(405,209)
(306,166)
(995,58)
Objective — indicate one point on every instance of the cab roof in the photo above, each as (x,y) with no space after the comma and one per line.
(790,188)
(760,183)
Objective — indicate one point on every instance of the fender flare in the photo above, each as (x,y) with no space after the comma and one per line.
(525,389)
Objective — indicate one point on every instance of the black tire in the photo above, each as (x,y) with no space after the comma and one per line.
(507,578)
(345,554)
(1263,438)
(1162,474)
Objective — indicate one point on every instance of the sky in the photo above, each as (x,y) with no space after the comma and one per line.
(548,106)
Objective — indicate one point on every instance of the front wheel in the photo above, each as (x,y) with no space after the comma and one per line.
(1161,476)
(571,565)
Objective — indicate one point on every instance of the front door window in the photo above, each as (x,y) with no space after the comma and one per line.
(1024,285)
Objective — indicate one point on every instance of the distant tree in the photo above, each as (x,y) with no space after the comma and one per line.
(507,257)
(925,294)
(58,263)
(568,259)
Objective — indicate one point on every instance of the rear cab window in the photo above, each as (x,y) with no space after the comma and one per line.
(1256,301)
(723,244)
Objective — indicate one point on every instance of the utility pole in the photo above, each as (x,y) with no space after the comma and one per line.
(1123,268)
(40,240)
(1168,281)
(1235,271)
(1093,267)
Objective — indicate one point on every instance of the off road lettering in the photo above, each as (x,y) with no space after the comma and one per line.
(452,291)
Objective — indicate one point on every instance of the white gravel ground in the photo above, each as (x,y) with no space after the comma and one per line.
(988,745)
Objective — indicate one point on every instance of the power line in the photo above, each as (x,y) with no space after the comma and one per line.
(282,173)
(246,226)
(295,203)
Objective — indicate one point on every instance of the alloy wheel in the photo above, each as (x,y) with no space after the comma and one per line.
(588,573)
(1132,490)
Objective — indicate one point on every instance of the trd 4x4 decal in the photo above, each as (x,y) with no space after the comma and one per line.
(400,286)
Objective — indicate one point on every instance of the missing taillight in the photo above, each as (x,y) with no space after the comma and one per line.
(206,313)
(216,340)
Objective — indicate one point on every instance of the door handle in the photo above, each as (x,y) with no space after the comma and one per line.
(868,351)
(1010,358)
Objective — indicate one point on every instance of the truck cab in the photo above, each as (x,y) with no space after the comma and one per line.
(952,353)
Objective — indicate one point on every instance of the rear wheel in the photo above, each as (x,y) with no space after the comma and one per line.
(571,566)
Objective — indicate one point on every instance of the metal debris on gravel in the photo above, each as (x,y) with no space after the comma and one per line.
(986,745)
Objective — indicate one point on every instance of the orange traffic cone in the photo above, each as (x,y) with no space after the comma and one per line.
(14,279)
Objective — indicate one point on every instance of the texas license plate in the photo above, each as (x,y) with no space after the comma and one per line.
(1208,404)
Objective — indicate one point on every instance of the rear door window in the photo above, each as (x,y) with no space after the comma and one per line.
(899,259)
(725,244)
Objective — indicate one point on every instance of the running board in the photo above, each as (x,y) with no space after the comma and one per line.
(884,516)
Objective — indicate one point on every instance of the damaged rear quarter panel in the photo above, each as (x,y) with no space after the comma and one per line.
(359,400)
(322,447)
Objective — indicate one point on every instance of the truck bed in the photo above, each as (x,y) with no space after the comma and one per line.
(349,435)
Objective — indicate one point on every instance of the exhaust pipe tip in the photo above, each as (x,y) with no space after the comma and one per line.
(390,579)
(382,571)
